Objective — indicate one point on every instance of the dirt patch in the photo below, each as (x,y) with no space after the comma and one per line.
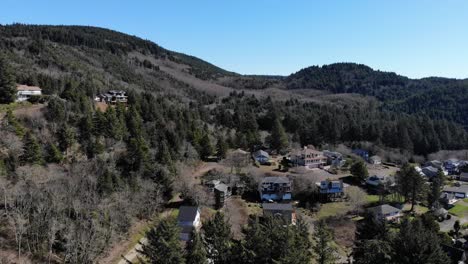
(101,106)
(237,214)
(344,231)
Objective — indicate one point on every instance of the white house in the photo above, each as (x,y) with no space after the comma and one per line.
(24,92)
(375,160)
(308,157)
(188,219)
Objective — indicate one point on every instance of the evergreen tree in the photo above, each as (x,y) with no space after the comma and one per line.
(436,189)
(414,244)
(206,149)
(32,150)
(359,170)
(410,183)
(13,123)
(163,245)
(221,147)
(7,82)
(54,155)
(372,251)
(66,137)
(196,253)
(218,239)
(278,138)
(324,252)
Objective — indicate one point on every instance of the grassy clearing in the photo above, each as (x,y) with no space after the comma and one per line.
(333,209)
(5,107)
(418,209)
(459,210)
(372,198)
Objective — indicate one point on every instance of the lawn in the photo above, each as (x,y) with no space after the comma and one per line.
(371,198)
(333,209)
(459,210)
(419,209)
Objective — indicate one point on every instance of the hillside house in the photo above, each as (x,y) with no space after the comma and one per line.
(113,97)
(376,160)
(331,190)
(282,211)
(434,163)
(460,192)
(275,189)
(188,220)
(386,212)
(308,157)
(452,166)
(24,92)
(430,171)
(364,154)
(222,193)
(380,181)
(464,176)
(334,159)
(261,156)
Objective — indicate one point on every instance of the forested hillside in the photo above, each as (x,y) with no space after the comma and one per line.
(75,176)
(439,98)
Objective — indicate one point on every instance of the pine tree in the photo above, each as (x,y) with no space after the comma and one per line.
(54,155)
(415,244)
(218,239)
(359,170)
(196,252)
(221,147)
(410,183)
(436,188)
(32,151)
(324,252)
(278,138)
(163,245)
(7,82)
(372,251)
(206,149)
(66,137)
(13,123)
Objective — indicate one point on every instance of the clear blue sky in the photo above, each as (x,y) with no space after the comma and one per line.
(411,37)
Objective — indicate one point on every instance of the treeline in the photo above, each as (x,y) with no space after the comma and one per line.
(266,241)
(438,98)
(73,177)
(320,123)
(38,37)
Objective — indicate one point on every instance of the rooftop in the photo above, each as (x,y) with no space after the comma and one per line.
(461,189)
(23,87)
(276,180)
(384,209)
(187,213)
(277,206)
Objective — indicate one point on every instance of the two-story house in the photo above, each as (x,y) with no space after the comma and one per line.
(188,220)
(308,157)
(334,158)
(275,189)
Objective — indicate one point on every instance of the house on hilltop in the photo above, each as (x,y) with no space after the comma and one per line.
(25,92)
(112,97)
(188,220)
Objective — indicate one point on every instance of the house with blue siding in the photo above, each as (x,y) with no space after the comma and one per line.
(364,154)
(261,156)
(275,189)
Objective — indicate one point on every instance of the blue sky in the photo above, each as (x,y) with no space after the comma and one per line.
(416,38)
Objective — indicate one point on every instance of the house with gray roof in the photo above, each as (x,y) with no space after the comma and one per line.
(283,211)
(386,212)
(261,156)
(460,192)
(188,220)
(275,189)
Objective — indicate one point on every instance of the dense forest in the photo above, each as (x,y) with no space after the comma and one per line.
(75,176)
(438,98)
